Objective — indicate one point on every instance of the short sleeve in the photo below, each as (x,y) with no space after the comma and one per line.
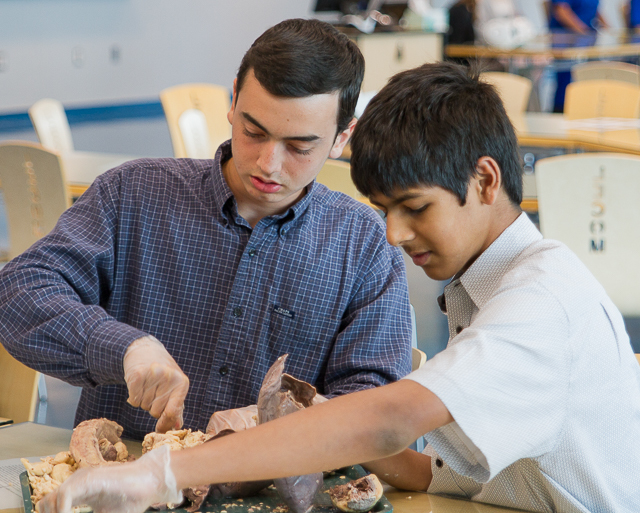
(505,380)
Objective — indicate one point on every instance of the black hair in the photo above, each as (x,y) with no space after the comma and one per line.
(298,58)
(429,126)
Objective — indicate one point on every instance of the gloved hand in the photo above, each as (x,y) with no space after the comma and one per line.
(155,382)
(126,488)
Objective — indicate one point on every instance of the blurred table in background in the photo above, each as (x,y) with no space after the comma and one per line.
(546,131)
(558,46)
(82,167)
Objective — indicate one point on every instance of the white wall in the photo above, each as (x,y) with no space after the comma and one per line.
(160,43)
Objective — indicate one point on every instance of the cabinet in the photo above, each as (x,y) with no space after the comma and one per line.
(387,53)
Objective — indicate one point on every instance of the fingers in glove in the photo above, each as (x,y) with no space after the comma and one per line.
(171,417)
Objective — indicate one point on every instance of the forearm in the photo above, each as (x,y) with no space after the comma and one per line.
(408,470)
(347,430)
(46,326)
(568,19)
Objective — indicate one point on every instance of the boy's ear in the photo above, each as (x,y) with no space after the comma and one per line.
(489,178)
(342,139)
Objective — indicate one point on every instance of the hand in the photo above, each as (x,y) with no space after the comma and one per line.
(155,382)
(124,488)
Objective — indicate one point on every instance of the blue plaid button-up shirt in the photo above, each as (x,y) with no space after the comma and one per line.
(158,247)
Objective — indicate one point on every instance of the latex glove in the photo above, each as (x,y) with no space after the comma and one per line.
(126,488)
(155,382)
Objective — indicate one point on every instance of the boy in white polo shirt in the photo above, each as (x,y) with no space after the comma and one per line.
(535,403)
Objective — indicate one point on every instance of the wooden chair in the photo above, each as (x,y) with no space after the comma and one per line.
(35,194)
(514,90)
(418,358)
(601,98)
(51,125)
(606,70)
(336,175)
(591,203)
(197,118)
(18,389)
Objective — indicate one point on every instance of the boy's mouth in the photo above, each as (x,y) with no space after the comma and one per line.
(420,259)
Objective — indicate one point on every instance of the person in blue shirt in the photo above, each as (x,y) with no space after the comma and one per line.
(634,14)
(578,17)
(169,288)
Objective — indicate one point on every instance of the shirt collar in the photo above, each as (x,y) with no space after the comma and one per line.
(487,271)
(225,202)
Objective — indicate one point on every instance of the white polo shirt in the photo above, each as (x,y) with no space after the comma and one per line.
(542,383)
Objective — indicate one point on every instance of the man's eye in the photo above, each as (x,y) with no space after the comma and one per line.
(251,134)
(302,152)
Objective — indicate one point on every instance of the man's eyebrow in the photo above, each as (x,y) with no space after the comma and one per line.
(302,138)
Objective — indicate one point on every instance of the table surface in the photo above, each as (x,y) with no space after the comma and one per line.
(600,134)
(82,167)
(560,45)
(28,439)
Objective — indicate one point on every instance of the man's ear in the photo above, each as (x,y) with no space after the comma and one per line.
(233,101)
(342,139)
(489,178)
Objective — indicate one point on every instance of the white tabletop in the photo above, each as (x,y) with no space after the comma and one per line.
(82,167)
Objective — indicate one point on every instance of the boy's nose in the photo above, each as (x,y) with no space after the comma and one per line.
(398,232)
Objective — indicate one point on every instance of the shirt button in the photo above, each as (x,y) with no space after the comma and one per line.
(439,463)
(237,311)
(252,252)
(224,370)
(459,329)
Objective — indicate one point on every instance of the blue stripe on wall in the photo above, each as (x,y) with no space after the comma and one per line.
(18,121)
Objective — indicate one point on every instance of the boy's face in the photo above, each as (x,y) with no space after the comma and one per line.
(439,234)
(280,144)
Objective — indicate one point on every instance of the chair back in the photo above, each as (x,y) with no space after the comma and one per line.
(35,193)
(51,125)
(591,203)
(601,98)
(18,389)
(197,118)
(514,90)
(418,358)
(606,70)
(336,175)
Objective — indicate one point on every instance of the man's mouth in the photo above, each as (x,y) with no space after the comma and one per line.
(263,185)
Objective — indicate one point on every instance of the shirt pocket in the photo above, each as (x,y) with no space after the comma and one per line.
(292,331)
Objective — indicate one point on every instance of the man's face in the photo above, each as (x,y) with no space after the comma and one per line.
(439,234)
(279,144)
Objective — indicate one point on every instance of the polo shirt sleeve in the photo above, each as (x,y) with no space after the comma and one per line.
(50,296)
(505,379)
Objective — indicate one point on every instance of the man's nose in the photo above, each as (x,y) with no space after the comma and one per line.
(398,231)
(270,159)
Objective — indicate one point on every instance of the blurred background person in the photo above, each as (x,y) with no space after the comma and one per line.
(577,17)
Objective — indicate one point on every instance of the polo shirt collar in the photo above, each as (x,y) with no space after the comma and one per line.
(484,275)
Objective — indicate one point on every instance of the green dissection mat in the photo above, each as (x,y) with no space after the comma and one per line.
(267,501)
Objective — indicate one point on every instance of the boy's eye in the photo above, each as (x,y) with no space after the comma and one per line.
(418,210)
